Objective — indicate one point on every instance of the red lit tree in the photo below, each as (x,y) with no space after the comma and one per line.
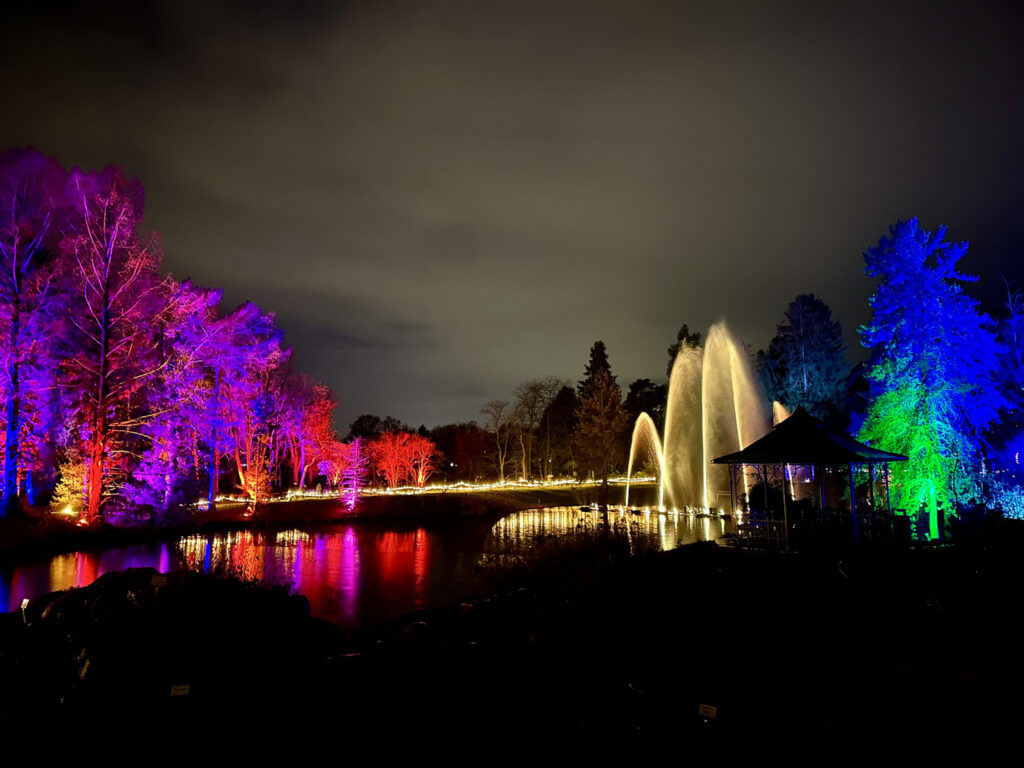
(389,457)
(307,413)
(403,457)
(116,292)
(423,458)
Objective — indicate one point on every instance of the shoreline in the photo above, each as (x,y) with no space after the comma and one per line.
(38,535)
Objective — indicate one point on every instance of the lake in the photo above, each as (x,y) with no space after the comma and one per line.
(357,574)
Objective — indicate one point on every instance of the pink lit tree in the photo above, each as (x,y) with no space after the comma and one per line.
(356,466)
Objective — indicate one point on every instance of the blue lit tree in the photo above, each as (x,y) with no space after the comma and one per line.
(932,369)
(805,364)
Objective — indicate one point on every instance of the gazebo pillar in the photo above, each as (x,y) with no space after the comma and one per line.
(785,513)
(888,498)
(820,471)
(732,487)
(853,503)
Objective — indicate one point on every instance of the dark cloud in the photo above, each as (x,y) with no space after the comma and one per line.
(442,200)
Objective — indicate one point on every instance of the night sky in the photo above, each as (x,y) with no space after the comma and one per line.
(440,201)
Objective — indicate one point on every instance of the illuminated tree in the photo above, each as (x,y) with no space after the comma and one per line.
(931,370)
(804,364)
(354,466)
(307,408)
(423,458)
(389,457)
(116,293)
(403,457)
(30,188)
(170,463)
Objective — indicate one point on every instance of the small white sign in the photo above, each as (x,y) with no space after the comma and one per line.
(180,690)
(24,603)
(159,580)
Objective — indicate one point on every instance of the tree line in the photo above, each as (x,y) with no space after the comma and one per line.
(123,388)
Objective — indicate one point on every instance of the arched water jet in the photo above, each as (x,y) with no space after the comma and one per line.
(645,435)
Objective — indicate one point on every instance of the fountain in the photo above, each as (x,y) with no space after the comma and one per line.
(713,408)
(645,437)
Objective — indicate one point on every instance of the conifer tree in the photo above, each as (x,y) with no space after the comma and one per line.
(934,356)
(805,364)
(601,423)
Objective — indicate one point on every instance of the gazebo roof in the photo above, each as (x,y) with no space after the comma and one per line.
(802,439)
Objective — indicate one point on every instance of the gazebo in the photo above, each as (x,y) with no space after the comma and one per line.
(802,440)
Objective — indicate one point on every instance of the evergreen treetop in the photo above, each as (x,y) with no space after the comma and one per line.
(805,362)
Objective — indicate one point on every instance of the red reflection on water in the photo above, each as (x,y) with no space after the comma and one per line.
(87,569)
(388,549)
(420,563)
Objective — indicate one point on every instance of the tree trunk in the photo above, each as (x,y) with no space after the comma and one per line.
(98,440)
(214,466)
(95,478)
(10,502)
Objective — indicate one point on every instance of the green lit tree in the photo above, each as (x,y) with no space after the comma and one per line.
(932,370)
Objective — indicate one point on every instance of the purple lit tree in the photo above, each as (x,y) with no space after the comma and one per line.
(30,190)
(252,355)
(170,461)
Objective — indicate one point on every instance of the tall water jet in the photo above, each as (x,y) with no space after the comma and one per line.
(714,408)
(683,481)
(645,438)
(733,416)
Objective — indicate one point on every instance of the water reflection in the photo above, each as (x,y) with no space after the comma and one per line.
(354,574)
